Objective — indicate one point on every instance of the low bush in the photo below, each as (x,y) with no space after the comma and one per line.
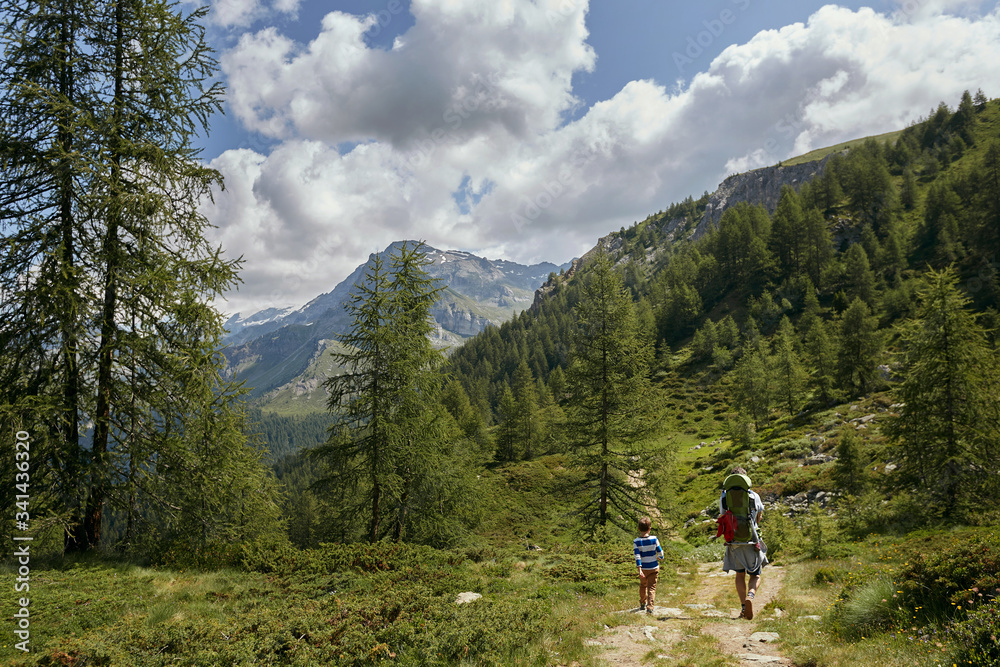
(977,636)
(951,571)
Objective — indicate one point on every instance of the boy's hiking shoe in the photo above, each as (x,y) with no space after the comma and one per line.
(748,607)
(642,607)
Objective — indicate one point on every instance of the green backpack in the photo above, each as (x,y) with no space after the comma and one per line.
(738,501)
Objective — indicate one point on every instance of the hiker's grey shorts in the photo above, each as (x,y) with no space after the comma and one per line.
(744,558)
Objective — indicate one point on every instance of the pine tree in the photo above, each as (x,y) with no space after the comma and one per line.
(507,426)
(789,374)
(109,269)
(980,101)
(384,406)
(946,433)
(861,344)
(860,277)
(788,232)
(526,400)
(609,415)
(822,351)
(848,470)
(751,386)
(818,246)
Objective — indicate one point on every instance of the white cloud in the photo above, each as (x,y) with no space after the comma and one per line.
(306,215)
(510,63)
(242,13)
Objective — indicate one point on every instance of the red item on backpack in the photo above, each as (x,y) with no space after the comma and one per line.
(727,525)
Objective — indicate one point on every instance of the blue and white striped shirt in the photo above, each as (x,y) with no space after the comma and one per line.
(647,550)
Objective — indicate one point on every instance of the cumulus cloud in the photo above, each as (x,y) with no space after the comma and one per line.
(508,177)
(242,13)
(509,62)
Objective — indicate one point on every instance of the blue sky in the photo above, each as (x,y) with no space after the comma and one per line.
(527,129)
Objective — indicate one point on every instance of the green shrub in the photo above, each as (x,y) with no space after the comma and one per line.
(275,557)
(579,568)
(782,536)
(977,636)
(952,571)
(188,553)
(500,570)
(826,575)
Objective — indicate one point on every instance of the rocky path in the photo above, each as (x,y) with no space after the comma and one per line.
(708,610)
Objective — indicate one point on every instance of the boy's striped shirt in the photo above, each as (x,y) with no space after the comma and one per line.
(646,550)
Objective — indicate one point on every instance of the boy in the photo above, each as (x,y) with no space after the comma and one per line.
(647,550)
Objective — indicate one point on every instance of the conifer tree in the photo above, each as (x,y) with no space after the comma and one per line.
(848,470)
(752,387)
(105,256)
(508,426)
(818,246)
(788,232)
(861,343)
(385,408)
(526,400)
(823,353)
(789,374)
(945,436)
(860,277)
(609,416)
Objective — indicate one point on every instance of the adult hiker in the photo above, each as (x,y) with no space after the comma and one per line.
(740,510)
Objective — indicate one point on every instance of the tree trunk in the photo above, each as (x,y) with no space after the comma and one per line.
(105,355)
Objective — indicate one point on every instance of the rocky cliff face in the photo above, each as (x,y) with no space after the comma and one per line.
(452,317)
(760,186)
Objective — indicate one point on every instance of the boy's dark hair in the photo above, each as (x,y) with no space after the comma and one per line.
(645,523)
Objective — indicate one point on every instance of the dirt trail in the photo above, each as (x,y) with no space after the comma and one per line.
(710,608)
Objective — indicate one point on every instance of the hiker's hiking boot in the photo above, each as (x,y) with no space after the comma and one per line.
(748,607)
(649,609)
(642,606)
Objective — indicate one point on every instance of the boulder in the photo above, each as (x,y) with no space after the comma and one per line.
(463,598)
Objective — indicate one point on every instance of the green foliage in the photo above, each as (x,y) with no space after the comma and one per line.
(977,636)
(848,470)
(872,607)
(610,414)
(752,387)
(394,456)
(952,571)
(107,321)
(782,536)
(946,433)
(861,345)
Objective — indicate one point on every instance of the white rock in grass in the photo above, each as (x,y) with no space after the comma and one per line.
(671,612)
(462,598)
(766,637)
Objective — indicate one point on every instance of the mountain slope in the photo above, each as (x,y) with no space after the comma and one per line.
(285,351)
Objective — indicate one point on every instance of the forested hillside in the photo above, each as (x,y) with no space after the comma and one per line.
(880,215)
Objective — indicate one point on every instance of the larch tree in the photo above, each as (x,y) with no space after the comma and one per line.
(945,435)
(108,271)
(610,414)
(861,343)
(395,456)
